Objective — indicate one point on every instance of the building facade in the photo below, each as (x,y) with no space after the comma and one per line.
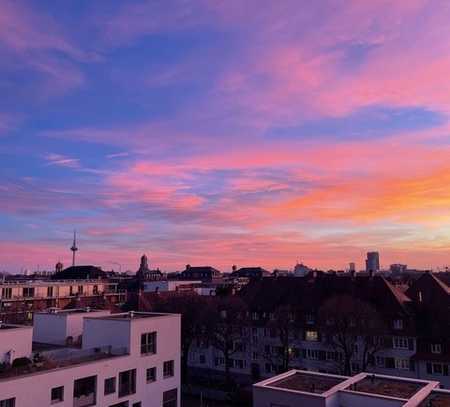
(124,360)
(20,299)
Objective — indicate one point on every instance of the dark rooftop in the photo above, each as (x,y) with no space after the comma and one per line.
(437,399)
(310,383)
(386,387)
(133,315)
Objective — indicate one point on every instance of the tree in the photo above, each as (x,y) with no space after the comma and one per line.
(194,310)
(283,326)
(225,325)
(349,323)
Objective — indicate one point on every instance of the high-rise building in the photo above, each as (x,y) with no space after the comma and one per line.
(373,261)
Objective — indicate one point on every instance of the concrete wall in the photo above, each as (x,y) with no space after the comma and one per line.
(49,328)
(353,399)
(106,332)
(266,397)
(56,327)
(15,343)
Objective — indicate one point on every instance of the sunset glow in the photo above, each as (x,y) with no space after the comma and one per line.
(208,132)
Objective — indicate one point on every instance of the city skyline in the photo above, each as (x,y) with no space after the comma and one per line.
(254,133)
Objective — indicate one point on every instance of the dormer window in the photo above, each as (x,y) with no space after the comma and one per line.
(398,324)
(436,348)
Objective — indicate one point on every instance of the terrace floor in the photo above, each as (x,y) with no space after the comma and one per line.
(386,387)
(307,382)
(436,399)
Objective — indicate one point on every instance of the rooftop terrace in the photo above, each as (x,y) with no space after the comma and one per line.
(383,386)
(306,382)
(437,399)
(59,359)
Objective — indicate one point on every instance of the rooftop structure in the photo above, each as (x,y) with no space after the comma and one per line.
(305,389)
(124,359)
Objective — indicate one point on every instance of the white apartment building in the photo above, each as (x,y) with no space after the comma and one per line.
(298,388)
(122,360)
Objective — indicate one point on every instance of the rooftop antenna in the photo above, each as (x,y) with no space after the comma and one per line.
(74,247)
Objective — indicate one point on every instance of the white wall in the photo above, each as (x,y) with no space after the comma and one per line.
(15,343)
(265,397)
(353,399)
(113,332)
(54,328)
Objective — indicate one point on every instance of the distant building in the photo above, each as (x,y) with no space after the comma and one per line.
(80,273)
(203,273)
(145,274)
(251,272)
(20,299)
(373,262)
(300,270)
(352,267)
(398,268)
(125,360)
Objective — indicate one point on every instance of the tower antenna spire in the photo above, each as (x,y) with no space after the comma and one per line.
(74,247)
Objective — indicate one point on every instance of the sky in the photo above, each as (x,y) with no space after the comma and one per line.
(221,132)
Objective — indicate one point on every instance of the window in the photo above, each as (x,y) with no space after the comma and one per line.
(57,394)
(71,290)
(436,348)
(28,292)
(255,356)
(437,368)
(310,319)
(239,364)
(127,382)
(110,385)
(151,374)
(95,289)
(148,343)
(138,404)
(379,361)
(168,368)
(80,289)
(7,292)
(311,336)
(122,404)
(202,359)
(402,364)
(8,402)
(170,398)
(398,324)
(49,291)
(85,391)
(400,342)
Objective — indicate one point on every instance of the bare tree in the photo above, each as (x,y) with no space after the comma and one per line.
(283,326)
(348,322)
(226,322)
(194,316)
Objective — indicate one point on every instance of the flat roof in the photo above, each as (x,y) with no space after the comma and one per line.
(58,311)
(437,399)
(52,363)
(311,383)
(385,386)
(13,326)
(131,315)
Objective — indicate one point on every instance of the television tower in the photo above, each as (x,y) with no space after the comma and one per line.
(74,247)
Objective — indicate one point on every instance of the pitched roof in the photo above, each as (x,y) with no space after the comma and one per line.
(309,293)
(80,273)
